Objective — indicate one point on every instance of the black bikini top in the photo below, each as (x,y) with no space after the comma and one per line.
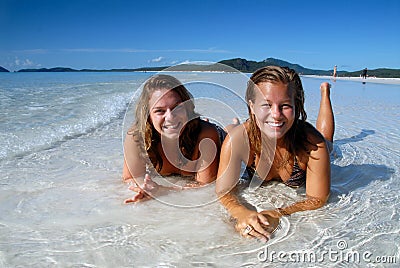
(297,177)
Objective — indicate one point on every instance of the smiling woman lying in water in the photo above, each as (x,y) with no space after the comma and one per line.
(167,138)
(276,142)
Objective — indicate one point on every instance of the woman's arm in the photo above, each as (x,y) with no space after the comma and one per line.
(134,170)
(235,149)
(134,164)
(208,147)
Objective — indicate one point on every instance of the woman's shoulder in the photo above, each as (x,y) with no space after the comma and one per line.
(236,145)
(312,134)
(206,124)
(208,129)
(238,136)
(314,139)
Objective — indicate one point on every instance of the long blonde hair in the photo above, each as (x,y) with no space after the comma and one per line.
(145,133)
(295,139)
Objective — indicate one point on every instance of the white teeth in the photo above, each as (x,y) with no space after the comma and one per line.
(273,124)
(171,126)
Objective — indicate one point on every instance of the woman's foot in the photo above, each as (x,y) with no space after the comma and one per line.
(235,121)
(325,89)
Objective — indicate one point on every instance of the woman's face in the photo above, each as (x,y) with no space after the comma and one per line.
(273,109)
(167,113)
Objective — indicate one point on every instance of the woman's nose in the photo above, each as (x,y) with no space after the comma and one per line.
(169,114)
(275,111)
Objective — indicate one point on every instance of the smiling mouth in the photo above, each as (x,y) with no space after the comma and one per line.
(275,124)
(171,127)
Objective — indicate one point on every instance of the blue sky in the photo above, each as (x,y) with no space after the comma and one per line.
(131,34)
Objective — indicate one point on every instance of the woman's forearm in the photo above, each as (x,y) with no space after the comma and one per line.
(232,204)
(310,203)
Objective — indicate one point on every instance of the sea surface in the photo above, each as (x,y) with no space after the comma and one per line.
(61,194)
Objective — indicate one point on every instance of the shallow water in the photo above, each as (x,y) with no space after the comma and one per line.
(61,196)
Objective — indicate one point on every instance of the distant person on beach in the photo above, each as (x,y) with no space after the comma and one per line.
(167,138)
(364,73)
(277,142)
(335,71)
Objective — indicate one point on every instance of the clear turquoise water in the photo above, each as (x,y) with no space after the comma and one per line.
(61,195)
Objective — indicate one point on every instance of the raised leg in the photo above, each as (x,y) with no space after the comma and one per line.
(326,120)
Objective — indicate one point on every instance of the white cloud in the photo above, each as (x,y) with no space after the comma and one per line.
(25,63)
(157,59)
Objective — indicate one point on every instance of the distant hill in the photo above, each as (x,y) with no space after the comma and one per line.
(251,66)
(239,64)
(63,69)
(4,70)
(41,70)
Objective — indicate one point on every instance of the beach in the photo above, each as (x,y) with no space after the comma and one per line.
(61,194)
(378,80)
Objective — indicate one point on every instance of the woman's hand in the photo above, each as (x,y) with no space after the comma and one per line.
(253,224)
(273,217)
(275,214)
(149,189)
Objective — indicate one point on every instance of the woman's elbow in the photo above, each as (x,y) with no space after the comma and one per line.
(317,202)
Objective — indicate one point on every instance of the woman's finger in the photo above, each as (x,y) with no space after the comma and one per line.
(129,200)
(263,219)
(135,189)
(140,197)
(256,234)
(136,198)
(260,231)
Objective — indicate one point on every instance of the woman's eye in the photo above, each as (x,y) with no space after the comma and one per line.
(266,105)
(287,106)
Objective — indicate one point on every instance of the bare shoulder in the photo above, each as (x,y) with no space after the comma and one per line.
(235,148)
(316,144)
(208,130)
(237,137)
(313,135)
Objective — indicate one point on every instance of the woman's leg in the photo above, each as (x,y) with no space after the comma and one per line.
(325,120)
